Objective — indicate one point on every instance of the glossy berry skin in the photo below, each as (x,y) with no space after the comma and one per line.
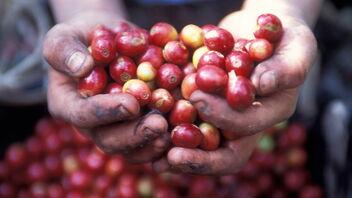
(192,36)
(100,31)
(240,62)
(189,85)
(169,76)
(188,69)
(211,136)
(220,40)
(36,172)
(161,33)
(186,136)
(95,162)
(131,43)
(16,156)
(122,27)
(240,45)
(113,88)
(211,79)
(122,69)
(139,89)
(212,58)
(154,55)
(162,100)
(80,180)
(146,72)
(197,54)
(206,28)
(269,27)
(182,112)
(94,83)
(103,49)
(240,92)
(175,52)
(114,167)
(260,49)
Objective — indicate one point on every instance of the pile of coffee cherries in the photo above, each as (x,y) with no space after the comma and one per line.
(156,68)
(56,161)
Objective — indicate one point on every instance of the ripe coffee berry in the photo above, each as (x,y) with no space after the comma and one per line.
(188,69)
(212,58)
(146,71)
(186,135)
(211,137)
(103,49)
(113,88)
(139,89)
(240,45)
(260,49)
(197,54)
(220,40)
(122,69)
(269,27)
(16,156)
(100,31)
(189,85)
(240,62)
(240,92)
(192,36)
(169,76)
(211,79)
(175,52)
(154,55)
(94,83)
(182,112)
(161,33)
(131,43)
(207,28)
(162,100)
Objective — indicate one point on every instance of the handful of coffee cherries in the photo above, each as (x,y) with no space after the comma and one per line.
(162,68)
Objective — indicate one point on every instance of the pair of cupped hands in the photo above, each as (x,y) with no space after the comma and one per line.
(114,122)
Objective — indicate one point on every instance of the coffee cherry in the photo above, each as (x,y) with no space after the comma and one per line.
(192,36)
(162,100)
(122,69)
(211,79)
(175,52)
(220,40)
(186,135)
(189,85)
(122,26)
(16,156)
(154,55)
(182,112)
(131,43)
(169,76)
(260,49)
(94,83)
(188,69)
(162,33)
(100,31)
(212,58)
(206,28)
(240,92)
(197,54)
(146,71)
(240,45)
(113,88)
(139,89)
(269,27)
(103,49)
(36,171)
(211,137)
(240,62)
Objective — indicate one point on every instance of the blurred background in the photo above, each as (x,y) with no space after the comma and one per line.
(307,156)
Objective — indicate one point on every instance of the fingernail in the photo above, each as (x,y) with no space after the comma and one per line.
(123,112)
(268,82)
(76,61)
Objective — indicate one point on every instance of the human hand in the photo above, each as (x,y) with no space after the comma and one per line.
(110,120)
(276,81)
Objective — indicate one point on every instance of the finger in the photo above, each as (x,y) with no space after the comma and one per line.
(65,102)
(150,152)
(65,50)
(128,136)
(291,61)
(222,161)
(262,114)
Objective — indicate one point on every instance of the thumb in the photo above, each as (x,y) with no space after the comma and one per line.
(65,51)
(289,65)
